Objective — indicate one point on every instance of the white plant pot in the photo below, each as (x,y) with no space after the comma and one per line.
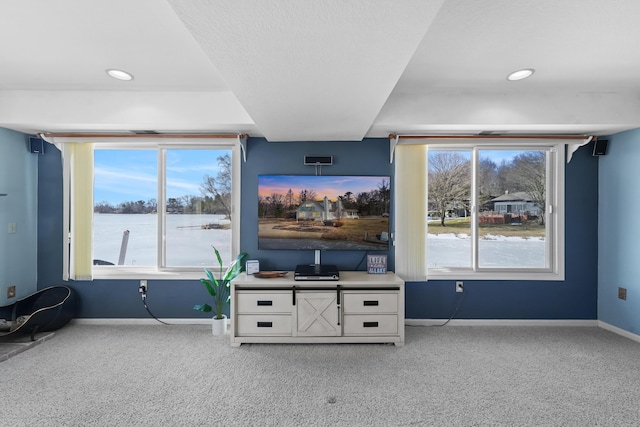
(219,326)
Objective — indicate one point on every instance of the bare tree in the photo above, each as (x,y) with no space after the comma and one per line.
(364,203)
(262,206)
(528,172)
(347,200)
(488,183)
(384,191)
(152,204)
(276,202)
(220,186)
(288,199)
(174,205)
(307,195)
(449,181)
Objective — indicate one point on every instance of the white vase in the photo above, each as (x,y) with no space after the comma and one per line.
(219,326)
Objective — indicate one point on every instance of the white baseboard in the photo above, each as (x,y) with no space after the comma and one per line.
(136,321)
(619,331)
(408,322)
(501,322)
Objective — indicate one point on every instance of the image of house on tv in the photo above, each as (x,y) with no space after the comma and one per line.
(324,210)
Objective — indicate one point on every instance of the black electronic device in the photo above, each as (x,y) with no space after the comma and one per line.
(36,145)
(600,147)
(318,160)
(311,272)
(310,212)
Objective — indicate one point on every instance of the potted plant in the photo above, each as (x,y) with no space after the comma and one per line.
(219,289)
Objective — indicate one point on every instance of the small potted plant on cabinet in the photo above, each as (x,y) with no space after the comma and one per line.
(219,289)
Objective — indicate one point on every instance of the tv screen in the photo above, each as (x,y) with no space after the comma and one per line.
(321,212)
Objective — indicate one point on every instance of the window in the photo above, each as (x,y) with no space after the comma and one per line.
(491,211)
(157,209)
(510,198)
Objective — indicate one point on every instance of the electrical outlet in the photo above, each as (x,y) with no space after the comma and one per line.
(143,284)
(12,228)
(622,293)
(459,286)
(11,291)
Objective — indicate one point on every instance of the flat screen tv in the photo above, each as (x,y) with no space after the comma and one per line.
(322,212)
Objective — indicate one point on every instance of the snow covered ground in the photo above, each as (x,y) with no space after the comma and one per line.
(454,250)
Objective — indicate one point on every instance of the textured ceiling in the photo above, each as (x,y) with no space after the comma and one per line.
(323,70)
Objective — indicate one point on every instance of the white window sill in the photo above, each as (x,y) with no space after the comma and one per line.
(494,275)
(124,273)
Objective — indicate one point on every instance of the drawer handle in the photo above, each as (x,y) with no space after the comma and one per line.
(265,302)
(369,303)
(369,324)
(265,324)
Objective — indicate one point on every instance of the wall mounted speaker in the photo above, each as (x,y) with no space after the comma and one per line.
(600,147)
(36,145)
(318,160)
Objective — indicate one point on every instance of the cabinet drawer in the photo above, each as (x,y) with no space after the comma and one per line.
(264,324)
(370,302)
(370,324)
(262,302)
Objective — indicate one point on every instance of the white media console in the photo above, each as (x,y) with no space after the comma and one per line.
(359,308)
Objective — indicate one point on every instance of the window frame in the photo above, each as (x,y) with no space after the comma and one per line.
(555,211)
(161,145)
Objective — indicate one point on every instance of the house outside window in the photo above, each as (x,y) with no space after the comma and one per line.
(493,209)
(519,203)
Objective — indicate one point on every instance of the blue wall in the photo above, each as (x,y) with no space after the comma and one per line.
(369,157)
(18,179)
(575,298)
(101,298)
(619,232)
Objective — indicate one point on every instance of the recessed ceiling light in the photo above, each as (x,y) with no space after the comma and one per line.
(119,74)
(521,74)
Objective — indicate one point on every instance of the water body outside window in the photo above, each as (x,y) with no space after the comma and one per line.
(197,185)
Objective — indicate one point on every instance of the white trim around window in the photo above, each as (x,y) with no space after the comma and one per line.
(411,195)
(78,227)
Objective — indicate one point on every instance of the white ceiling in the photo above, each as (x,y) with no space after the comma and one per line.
(320,70)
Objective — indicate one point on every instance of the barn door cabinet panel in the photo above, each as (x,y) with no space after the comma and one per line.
(359,308)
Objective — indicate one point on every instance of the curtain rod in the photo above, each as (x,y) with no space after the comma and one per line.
(570,137)
(571,146)
(141,135)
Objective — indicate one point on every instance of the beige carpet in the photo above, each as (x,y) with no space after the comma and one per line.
(449,376)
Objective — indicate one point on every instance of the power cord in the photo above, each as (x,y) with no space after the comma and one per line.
(455,311)
(462,297)
(142,289)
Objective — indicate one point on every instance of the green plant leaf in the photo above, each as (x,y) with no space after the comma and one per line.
(209,285)
(211,277)
(219,288)
(234,268)
(215,250)
(203,307)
